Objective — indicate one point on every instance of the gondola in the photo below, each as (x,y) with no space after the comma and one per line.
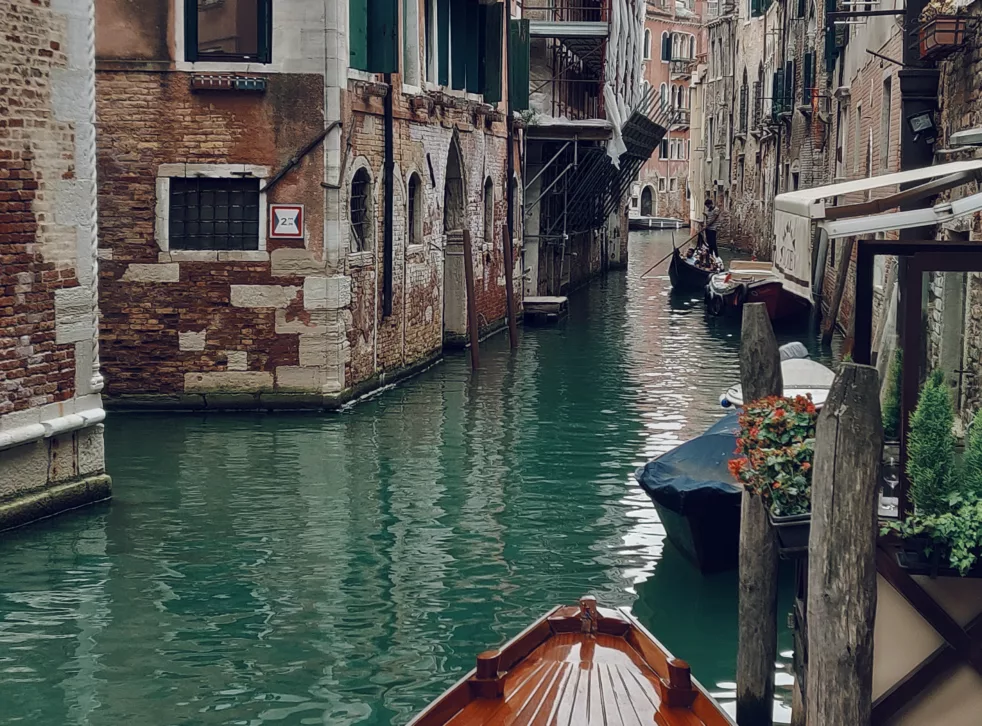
(577,665)
(685,276)
(748,281)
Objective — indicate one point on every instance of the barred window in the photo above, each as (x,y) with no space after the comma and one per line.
(214,214)
(360,204)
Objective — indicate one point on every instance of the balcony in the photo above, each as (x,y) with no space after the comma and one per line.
(681,67)
(680,118)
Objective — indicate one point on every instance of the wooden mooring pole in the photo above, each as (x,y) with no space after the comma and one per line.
(509,262)
(472,325)
(842,551)
(760,376)
(840,288)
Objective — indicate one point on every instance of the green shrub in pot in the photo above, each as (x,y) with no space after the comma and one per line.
(931,448)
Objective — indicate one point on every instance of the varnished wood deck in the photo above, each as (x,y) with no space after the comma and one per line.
(567,670)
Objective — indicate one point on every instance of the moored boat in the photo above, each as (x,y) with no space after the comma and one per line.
(801,376)
(748,281)
(697,498)
(685,275)
(576,665)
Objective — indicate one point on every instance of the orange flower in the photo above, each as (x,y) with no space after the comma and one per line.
(779,413)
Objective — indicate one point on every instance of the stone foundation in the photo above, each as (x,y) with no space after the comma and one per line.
(50,475)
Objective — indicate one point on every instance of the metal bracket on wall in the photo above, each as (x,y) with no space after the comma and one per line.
(294,160)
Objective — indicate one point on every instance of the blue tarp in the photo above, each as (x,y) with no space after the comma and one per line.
(694,474)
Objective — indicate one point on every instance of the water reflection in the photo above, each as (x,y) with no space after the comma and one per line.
(345,569)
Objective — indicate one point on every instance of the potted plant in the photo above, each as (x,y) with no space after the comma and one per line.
(776,447)
(944,535)
(942,30)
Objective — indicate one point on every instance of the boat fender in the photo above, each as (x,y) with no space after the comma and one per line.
(741,295)
(724,401)
(716,305)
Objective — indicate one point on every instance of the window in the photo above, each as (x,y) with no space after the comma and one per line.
(663,149)
(238,31)
(886,113)
(692,47)
(663,94)
(661,183)
(857,154)
(712,8)
(743,104)
(360,205)
(808,78)
(666,47)
(647,44)
(429,39)
(673,184)
(213,214)
(415,227)
(488,211)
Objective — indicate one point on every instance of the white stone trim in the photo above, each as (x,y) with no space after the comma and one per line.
(45,428)
(355,74)
(166,172)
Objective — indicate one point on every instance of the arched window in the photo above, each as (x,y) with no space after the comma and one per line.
(666,47)
(647,44)
(692,47)
(360,206)
(488,211)
(415,225)
(663,94)
(676,45)
(645,86)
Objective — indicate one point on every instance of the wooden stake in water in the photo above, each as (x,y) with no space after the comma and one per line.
(760,376)
(472,325)
(842,550)
(509,262)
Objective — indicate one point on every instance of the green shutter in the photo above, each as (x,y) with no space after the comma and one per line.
(473,46)
(518,76)
(358,34)
(666,47)
(383,36)
(777,93)
(491,65)
(458,45)
(789,85)
(190,30)
(808,78)
(443,41)
(756,8)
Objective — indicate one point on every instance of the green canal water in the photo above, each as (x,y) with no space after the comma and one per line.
(346,568)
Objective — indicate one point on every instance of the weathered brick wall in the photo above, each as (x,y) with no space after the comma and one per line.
(151,297)
(48,347)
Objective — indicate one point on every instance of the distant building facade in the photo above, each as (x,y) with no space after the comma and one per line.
(51,435)
(674,41)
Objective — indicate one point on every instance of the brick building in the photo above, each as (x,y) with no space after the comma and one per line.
(284,190)
(674,39)
(51,439)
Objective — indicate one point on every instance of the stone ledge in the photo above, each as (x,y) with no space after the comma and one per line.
(55,500)
(267,401)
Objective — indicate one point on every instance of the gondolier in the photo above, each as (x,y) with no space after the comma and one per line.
(709,225)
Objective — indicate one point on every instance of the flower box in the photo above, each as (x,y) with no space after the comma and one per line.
(912,556)
(792,534)
(941,36)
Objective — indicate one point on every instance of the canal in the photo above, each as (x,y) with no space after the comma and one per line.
(346,568)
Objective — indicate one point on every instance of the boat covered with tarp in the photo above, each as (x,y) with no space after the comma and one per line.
(696,496)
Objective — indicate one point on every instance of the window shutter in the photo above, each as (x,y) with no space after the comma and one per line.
(808,78)
(755,8)
(491,60)
(358,34)
(458,43)
(666,47)
(777,91)
(190,30)
(801,8)
(474,47)
(518,66)
(383,36)
(789,85)
(443,42)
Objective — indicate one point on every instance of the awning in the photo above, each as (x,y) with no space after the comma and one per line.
(811,202)
(795,212)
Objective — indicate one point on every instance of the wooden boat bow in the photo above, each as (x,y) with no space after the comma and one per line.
(579,664)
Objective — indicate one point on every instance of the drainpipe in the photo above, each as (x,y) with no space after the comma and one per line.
(387,191)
